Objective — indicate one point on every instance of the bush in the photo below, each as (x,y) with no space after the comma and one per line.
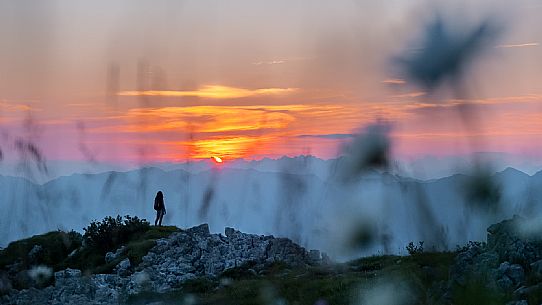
(413,249)
(110,233)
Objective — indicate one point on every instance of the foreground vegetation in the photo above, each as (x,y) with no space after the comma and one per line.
(337,284)
(419,278)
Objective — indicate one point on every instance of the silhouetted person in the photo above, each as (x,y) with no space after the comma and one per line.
(160,208)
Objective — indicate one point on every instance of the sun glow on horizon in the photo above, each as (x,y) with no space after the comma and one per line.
(217,159)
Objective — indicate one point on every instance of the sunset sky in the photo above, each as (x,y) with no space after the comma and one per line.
(177,80)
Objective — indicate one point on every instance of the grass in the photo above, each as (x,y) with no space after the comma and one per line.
(56,247)
(338,284)
(476,292)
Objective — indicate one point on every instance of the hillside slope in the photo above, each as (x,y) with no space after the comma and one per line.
(194,266)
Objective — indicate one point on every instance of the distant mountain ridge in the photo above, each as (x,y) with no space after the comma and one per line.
(313,209)
(422,168)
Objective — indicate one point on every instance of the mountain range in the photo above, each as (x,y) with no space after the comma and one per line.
(290,197)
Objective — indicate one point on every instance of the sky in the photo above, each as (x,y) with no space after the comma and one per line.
(167,81)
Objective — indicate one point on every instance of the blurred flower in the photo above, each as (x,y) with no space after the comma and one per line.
(368,150)
(482,191)
(321,302)
(363,235)
(269,296)
(226,281)
(40,274)
(141,277)
(445,52)
(189,299)
(386,292)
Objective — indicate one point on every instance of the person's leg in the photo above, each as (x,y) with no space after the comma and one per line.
(161,216)
(157,216)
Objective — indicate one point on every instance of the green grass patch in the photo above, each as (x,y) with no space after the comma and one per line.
(56,246)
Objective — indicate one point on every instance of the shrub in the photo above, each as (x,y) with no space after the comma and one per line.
(413,249)
(110,233)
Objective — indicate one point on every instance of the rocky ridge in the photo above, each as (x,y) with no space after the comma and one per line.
(183,256)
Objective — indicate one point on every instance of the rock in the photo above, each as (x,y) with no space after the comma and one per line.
(195,252)
(229,231)
(522,302)
(531,292)
(35,254)
(536,268)
(472,262)
(106,287)
(123,268)
(488,259)
(110,256)
(505,283)
(201,230)
(326,260)
(314,255)
(67,274)
(138,282)
(318,258)
(5,283)
(514,272)
(505,239)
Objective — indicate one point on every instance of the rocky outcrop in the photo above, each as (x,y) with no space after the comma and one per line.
(111,256)
(509,263)
(195,252)
(184,255)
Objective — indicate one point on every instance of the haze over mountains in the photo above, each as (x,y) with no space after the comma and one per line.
(300,198)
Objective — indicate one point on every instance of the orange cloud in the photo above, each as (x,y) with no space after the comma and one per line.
(227,131)
(11,107)
(212,92)
(267,130)
(206,119)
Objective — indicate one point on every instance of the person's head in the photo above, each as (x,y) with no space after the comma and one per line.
(159,194)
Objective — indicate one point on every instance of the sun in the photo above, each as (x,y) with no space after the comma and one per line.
(216,159)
